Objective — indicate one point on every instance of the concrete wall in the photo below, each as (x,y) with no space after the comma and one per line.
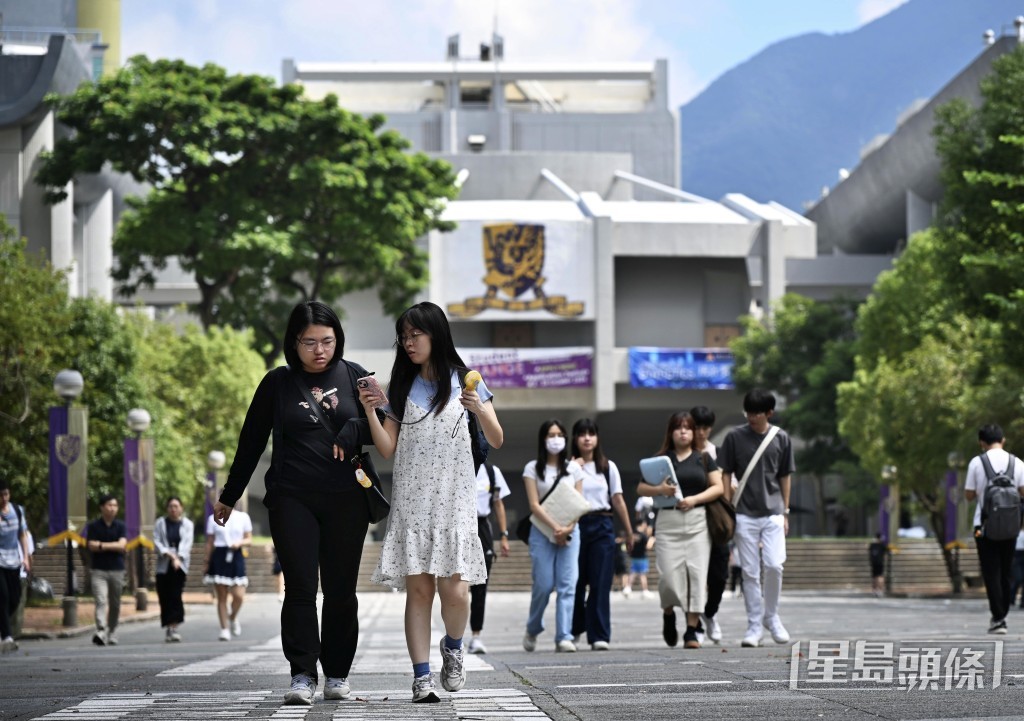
(40,13)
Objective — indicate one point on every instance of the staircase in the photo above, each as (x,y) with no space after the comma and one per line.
(812,564)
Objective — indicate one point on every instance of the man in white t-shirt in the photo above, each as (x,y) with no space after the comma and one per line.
(490,490)
(994,556)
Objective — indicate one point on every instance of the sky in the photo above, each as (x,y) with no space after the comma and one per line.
(701,39)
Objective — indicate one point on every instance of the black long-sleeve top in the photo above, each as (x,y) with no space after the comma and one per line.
(305,459)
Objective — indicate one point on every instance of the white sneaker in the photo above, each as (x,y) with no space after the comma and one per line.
(753,637)
(477,646)
(453,668)
(111,639)
(423,690)
(301,692)
(225,635)
(565,646)
(777,630)
(8,645)
(529,641)
(336,689)
(712,629)
(600,646)
(646,594)
(236,627)
(627,591)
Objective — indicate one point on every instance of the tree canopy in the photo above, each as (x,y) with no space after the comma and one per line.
(266,197)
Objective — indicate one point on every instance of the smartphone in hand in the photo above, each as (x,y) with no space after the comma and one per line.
(378,399)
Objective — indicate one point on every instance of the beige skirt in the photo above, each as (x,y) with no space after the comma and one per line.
(682,552)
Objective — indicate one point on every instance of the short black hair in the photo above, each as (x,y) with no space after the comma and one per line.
(5,485)
(758,400)
(703,417)
(107,497)
(311,312)
(991,433)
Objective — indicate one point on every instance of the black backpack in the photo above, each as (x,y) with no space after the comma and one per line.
(1000,505)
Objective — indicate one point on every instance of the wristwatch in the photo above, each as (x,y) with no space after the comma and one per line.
(786,512)
(504,534)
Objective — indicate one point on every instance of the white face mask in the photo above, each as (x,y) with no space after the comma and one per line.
(555,444)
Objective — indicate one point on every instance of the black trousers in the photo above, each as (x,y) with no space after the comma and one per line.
(10,597)
(319,535)
(718,576)
(996,560)
(478,593)
(592,611)
(169,587)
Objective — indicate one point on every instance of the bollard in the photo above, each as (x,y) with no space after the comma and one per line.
(70,606)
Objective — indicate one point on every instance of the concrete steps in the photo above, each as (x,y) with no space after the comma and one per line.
(812,564)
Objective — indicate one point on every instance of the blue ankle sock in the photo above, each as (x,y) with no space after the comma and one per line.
(452,643)
(420,669)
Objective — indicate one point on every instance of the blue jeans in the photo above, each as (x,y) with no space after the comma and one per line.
(555,568)
(592,613)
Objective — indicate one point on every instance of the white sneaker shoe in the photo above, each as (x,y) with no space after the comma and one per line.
(453,668)
(777,630)
(301,692)
(712,629)
(646,594)
(753,637)
(477,646)
(529,641)
(336,689)
(236,627)
(225,635)
(627,591)
(600,646)
(565,646)
(423,690)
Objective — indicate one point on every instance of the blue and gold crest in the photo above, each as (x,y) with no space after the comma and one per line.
(514,258)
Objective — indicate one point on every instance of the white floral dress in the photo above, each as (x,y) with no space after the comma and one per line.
(432,527)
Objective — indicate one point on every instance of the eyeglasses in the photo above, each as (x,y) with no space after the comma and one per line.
(413,336)
(311,345)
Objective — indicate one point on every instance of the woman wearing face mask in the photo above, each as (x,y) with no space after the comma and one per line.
(555,565)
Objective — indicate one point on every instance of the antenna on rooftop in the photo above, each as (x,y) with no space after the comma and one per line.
(453,47)
(497,41)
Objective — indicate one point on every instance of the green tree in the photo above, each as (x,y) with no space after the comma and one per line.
(266,197)
(33,314)
(802,352)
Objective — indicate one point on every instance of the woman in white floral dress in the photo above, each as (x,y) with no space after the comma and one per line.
(431,543)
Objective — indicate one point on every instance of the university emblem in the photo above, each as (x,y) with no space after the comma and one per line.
(138,472)
(514,258)
(68,448)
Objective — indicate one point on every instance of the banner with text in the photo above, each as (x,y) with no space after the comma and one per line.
(680,368)
(532,367)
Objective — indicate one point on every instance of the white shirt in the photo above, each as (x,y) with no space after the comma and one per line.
(573,473)
(483,490)
(597,489)
(1020,542)
(232,532)
(977,480)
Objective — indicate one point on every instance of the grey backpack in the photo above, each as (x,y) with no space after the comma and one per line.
(1000,506)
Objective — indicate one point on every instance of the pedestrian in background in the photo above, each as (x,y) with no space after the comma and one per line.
(173,536)
(718,561)
(1018,572)
(491,488)
(226,547)
(431,546)
(106,541)
(555,564)
(602,487)
(318,512)
(15,556)
(639,565)
(876,558)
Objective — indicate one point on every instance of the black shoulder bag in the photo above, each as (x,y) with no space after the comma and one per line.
(366,474)
(524,526)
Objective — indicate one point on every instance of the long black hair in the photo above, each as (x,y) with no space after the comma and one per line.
(542,449)
(678,419)
(311,312)
(586,425)
(444,359)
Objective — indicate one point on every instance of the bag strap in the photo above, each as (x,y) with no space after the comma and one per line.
(772,432)
(321,416)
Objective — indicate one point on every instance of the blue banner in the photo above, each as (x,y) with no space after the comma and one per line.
(680,368)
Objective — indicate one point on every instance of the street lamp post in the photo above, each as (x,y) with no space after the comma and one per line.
(954,499)
(215,461)
(139,498)
(889,519)
(69,432)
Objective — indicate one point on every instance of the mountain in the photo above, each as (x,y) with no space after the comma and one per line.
(781,125)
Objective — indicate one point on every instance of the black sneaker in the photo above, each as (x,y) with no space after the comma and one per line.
(690,638)
(99,638)
(998,627)
(668,630)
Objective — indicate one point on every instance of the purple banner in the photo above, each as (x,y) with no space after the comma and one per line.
(58,471)
(883,514)
(533,367)
(952,496)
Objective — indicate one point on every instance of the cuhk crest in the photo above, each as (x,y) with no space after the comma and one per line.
(68,447)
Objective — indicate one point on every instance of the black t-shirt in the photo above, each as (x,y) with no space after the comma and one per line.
(305,460)
(97,530)
(690,472)
(639,545)
(173,533)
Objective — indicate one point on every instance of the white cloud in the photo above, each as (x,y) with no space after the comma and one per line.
(868,10)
